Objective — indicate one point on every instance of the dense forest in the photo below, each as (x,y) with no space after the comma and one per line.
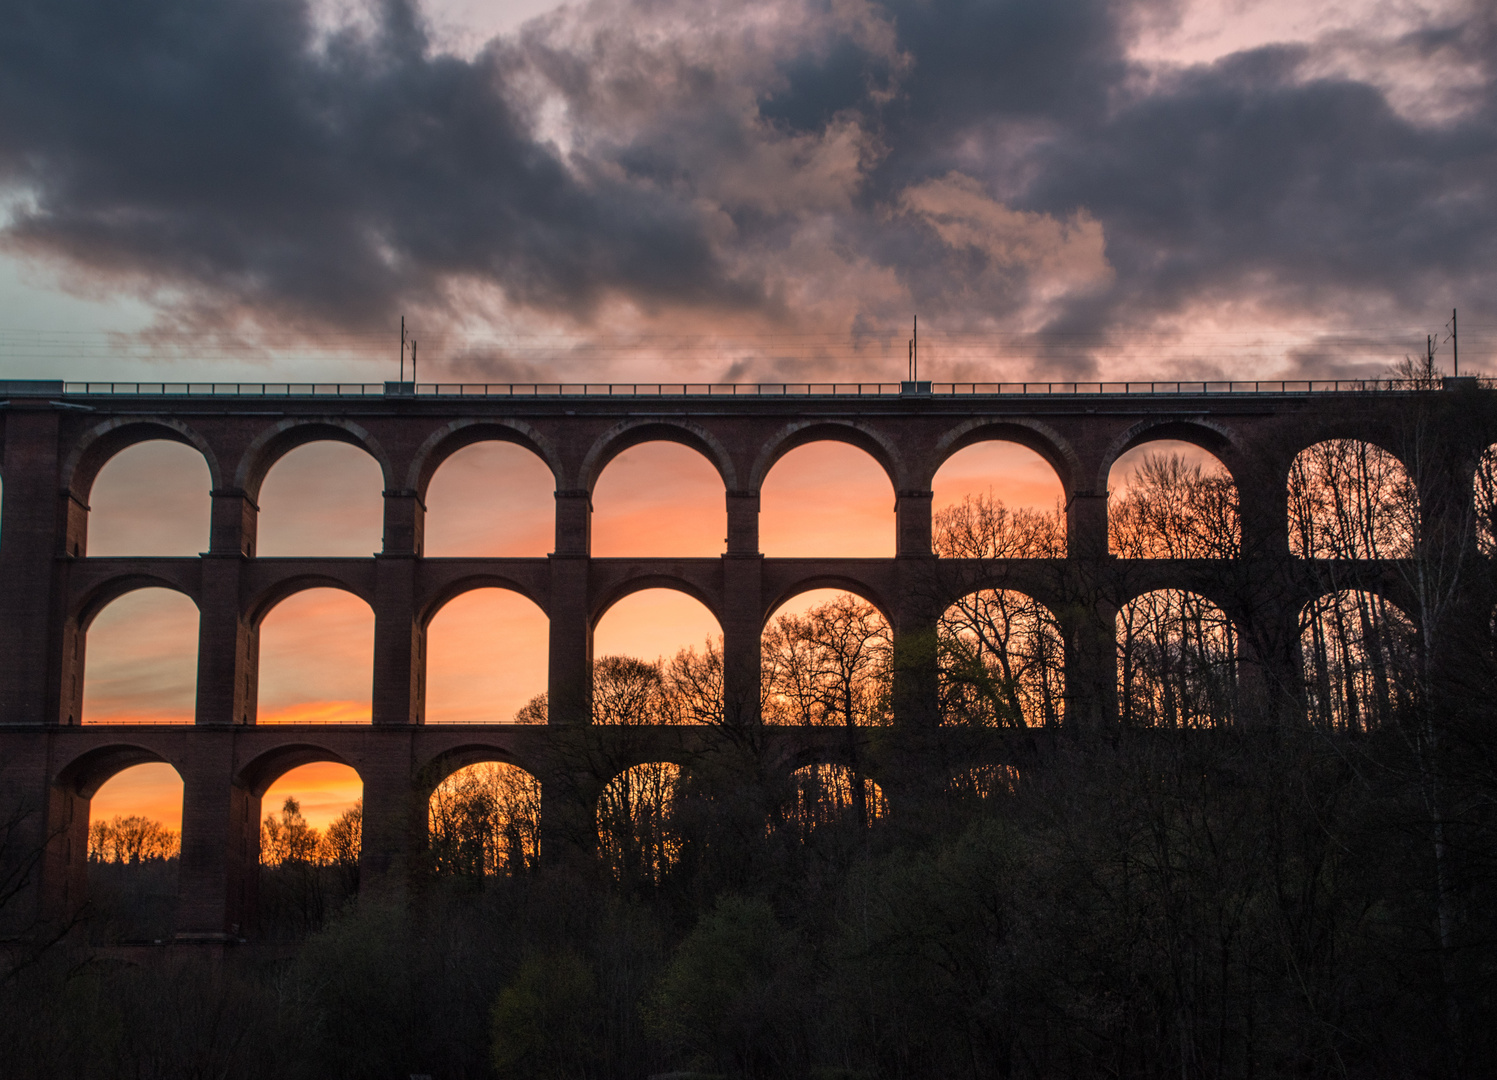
(1184,894)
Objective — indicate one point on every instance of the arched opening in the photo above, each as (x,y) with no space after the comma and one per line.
(311,836)
(1349,499)
(141,660)
(151,498)
(1168,499)
(998,500)
(1485,502)
(639,831)
(323,499)
(682,684)
(1360,654)
(316,660)
(659,499)
(491,500)
(827,659)
(484,821)
(827,500)
(486,659)
(134,849)
(827,796)
(1001,657)
(1177,662)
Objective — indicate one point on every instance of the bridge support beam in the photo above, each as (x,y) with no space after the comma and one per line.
(216,883)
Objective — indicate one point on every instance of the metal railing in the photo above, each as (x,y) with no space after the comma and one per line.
(427,391)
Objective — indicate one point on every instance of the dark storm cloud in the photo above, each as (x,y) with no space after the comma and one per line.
(1314,189)
(219,148)
(998,160)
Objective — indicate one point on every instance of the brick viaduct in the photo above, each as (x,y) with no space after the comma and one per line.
(57,437)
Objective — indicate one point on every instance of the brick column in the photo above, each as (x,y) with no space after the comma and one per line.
(1091,664)
(399,641)
(220,844)
(1270,668)
(394,821)
(912,514)
(33,536)
(1086,525)
(569,691)
(1263,510)
(228,645)
(743,608)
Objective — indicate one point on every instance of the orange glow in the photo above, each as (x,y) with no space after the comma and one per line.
(140,665)
(801,603)
(491,499)
(317,652)
(151,499)
(827,499)
(1013,473)
(318,712)
(659,499)
(487,650)
(325,790)
(654,623)
(153,790)
(323,499)
(486,655)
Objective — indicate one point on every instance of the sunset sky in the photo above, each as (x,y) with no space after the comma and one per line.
(708,191)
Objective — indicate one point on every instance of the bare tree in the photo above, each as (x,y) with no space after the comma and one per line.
(132,839)
(1177,661)
(1351,500)
(830,666)
(485,820)
(638,831)
(1175,509)
(627,690)
(1000,652)
(288,838)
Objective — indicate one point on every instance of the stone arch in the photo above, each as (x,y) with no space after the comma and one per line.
(828,580)
(258,774)
(625,757)
(1213,437)
(278,440)
(605,600)
(1164,578)
(855,433)
(628,433)
(460,434)
(87,607)
(65,868)
(472,582)
(1296,439)
(271,596)
(455,758)
(1035,435)
(86,773)
(103,441)
(833,750)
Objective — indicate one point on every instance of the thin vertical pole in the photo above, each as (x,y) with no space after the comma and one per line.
(1455,344)
(402,348)
(413,364)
